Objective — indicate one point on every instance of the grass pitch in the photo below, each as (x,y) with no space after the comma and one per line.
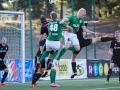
(78,84)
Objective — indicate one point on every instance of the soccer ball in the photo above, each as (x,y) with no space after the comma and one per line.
(52,1)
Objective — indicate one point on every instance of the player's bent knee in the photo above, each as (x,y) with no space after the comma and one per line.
(76,52)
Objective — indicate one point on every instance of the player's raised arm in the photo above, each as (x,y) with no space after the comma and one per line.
(87,30)
(94,21)
(64,20)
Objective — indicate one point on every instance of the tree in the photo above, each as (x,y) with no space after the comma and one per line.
(1,5)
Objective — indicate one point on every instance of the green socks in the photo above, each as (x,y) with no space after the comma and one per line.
(52,76)
(72,48)
(44,55)
(61,53)
(54,54)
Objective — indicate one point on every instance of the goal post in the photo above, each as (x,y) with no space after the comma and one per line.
(18,41)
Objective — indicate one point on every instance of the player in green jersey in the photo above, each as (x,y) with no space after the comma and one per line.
(53,42)
(74,21)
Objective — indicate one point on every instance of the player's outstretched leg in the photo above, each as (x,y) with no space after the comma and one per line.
(50,63)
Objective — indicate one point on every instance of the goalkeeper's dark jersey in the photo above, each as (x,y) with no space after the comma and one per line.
(3,50)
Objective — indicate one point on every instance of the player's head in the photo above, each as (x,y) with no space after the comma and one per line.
(42,19)
(3,40)
(53,15)
(117,34)
(81,13)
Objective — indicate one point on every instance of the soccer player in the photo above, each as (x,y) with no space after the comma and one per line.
(76,21)
(53,42)
(115,55)
(42,47)
(3,53)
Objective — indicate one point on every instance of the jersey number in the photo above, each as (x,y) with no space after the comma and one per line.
(54,27)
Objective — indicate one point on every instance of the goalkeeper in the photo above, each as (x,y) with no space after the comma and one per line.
(3,52)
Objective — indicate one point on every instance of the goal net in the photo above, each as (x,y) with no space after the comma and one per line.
(12,26)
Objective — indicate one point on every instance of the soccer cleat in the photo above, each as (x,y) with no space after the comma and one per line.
(45,73)
(33,85)
(73,75)
(107,82)
(36,85)
(3,83)
(54,85)
(57,85)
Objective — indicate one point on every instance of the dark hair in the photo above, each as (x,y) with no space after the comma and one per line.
(53,15)
(42,19)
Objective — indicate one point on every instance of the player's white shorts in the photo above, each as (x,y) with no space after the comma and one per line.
(73,38)
(52,45)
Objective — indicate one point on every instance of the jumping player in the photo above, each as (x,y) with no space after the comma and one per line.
(76,21)
(53,41)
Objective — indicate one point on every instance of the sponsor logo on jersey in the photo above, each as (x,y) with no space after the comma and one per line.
(75,25)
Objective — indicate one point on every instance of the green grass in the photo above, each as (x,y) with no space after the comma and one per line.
(78,84)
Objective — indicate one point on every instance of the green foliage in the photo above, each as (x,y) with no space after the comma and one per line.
(1,5)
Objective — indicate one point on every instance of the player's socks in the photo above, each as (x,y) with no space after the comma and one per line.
(105,39)
(34,78)
(72,48)
(52,76)
(109,74)
(45,54)
(54,54)
(4,76)
(74,69)
(61,53)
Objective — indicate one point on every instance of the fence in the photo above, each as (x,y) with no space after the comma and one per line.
(34,8)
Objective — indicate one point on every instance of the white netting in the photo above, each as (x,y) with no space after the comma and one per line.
(12,30)
(12,26)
